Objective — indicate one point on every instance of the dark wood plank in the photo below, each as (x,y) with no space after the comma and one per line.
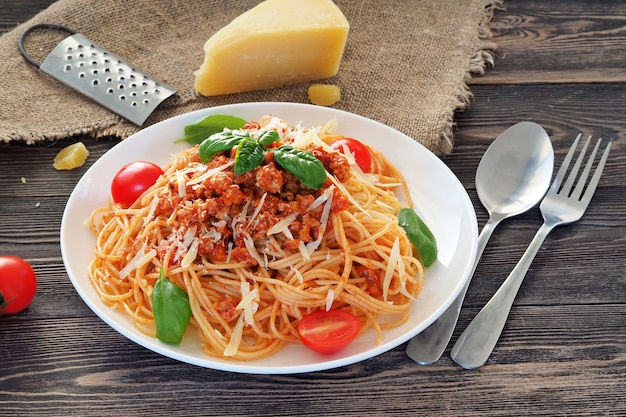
(574,41)
(77,376)
(16,12)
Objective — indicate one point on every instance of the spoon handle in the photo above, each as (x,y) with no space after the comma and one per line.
(476,343)
(428,346)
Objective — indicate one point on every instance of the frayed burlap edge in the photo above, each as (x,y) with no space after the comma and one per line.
(482,57)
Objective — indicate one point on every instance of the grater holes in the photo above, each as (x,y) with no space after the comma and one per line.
(109,80)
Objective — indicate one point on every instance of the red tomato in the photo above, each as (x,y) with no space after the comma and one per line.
(132,180)
(328,331)
(358,149)
(17,284)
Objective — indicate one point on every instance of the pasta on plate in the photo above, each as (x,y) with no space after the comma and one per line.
(257,251)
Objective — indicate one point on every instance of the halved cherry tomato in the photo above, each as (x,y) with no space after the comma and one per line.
(358,149)
(18,284)
(132,180)
(328,331)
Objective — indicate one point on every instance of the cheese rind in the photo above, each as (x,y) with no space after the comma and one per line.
(276,43)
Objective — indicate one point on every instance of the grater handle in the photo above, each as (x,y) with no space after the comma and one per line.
(20,43)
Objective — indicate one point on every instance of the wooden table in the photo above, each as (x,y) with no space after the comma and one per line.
(563,351)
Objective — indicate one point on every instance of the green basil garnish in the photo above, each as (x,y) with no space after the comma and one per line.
(251,152)
(267,137)
(220,142)
(302,164)
(171,309)
(249,155)
(197,132)
(419,234)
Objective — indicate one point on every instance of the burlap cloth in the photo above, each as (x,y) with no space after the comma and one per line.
(406,64)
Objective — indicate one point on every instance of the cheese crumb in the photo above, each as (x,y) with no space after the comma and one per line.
(71,157)
(324,94)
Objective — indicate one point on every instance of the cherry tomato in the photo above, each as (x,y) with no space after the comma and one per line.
(328,331)
(132,180)
(17,284)
(358,149)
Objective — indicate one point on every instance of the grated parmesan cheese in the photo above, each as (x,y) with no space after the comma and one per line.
(330,297)
(248,303)
(345,192)
(298,274)
(283,224)
(312,246)
(180,181)
(247,239)
(394,257)
(139,260)
(235,338)
(153,207)
(258,208)
(190,256)
(210,173)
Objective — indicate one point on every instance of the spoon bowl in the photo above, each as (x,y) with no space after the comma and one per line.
(515,171)
(512,177)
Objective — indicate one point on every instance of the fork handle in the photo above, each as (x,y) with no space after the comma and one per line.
(476,343)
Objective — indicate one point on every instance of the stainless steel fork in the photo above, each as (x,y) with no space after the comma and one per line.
(560,206)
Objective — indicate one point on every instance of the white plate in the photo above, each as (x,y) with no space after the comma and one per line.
(439,197)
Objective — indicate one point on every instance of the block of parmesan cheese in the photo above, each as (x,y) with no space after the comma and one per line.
(277,42)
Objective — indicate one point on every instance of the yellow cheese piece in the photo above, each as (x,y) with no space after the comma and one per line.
(70,157)
(324,94)
(277,42)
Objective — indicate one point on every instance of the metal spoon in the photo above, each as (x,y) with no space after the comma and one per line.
(512,176)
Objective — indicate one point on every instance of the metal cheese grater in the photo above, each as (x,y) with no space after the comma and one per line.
(100,75)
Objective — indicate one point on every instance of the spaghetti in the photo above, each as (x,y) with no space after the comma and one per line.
(256,252)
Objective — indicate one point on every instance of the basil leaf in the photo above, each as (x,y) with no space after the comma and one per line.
(220,142)
(250,154)
(267,137)
(172,312)
(304,165)
(197,132)
(419,234)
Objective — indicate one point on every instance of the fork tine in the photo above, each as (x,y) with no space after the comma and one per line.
(567,187)
(556,184)
(583,177)
(591,188)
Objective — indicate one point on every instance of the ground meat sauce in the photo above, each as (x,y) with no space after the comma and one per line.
(220,207)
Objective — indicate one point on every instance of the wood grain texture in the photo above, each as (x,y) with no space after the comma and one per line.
(562,353)
(574,41)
